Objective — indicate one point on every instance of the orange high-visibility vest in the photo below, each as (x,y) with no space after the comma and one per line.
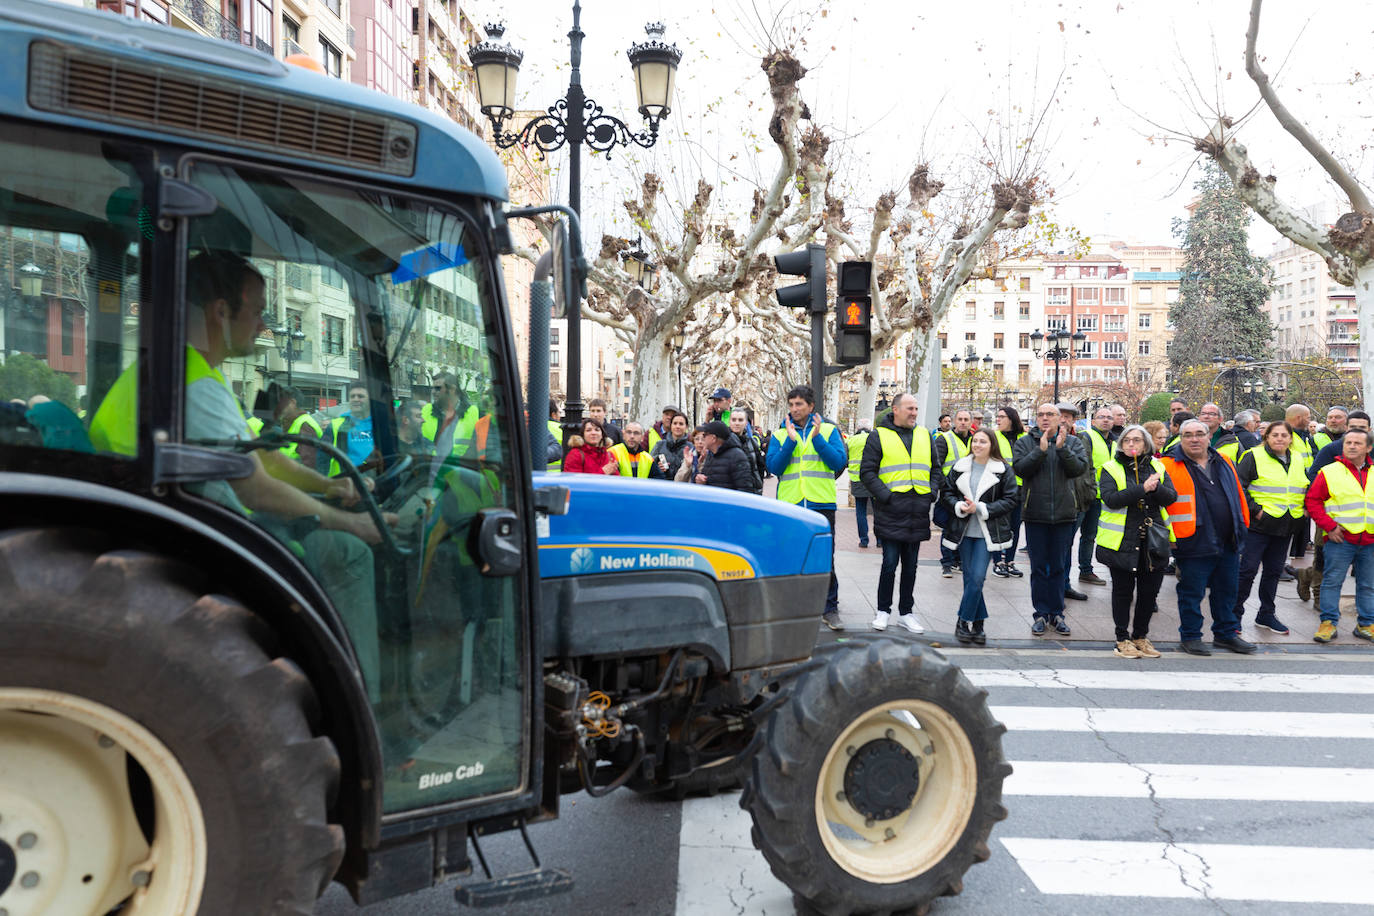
(1183,512)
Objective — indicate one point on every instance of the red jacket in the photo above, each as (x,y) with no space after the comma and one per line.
(1318,494)
(588,459)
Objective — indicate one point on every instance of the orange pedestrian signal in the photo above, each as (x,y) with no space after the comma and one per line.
(854,316)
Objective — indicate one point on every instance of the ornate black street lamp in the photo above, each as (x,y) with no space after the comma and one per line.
(637,264)
(1058,350)
(574,120)
(1232,374)
(289,346)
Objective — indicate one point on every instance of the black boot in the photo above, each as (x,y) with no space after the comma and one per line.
(979,637)
(962,632)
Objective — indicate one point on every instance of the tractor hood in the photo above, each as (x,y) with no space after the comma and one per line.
(617,525)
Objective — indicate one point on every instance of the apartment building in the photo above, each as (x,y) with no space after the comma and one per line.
(1088,295)
(1155,272)
(996,317)
(1313,315)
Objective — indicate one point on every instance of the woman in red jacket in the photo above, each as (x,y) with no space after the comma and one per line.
(591,456)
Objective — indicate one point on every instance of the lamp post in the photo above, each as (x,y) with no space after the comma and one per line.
(1058,350)
(637,264)
(288,345)
(1232,374)
(574,120)
(32,341)
(970,365)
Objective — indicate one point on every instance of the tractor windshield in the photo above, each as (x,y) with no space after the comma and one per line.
(361,325)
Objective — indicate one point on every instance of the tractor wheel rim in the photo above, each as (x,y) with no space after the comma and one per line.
(67,811)
(907,845)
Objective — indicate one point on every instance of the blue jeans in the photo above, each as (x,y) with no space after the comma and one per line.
(973,560)
(1339,558)
(1009,555)
(861,518)
(1217,574)
(1269,551)
(905,553)
(1088,539)
(1048,546)
(1068,550)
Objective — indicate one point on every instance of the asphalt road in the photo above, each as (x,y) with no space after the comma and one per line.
(1232,785)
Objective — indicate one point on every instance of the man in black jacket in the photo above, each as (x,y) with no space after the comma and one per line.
(1047,459)
(729,465)
(739,425)
(901,510)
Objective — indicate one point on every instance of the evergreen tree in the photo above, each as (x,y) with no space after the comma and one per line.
(1220,308)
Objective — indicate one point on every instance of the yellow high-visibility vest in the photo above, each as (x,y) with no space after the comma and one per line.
(1276,489)
(806,478)
(1111,524)
(1349,505)
(114,428)
(855,447)
(623,458)
(902,470)
(956,450)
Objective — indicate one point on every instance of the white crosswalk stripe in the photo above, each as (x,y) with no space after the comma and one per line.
(1152,760)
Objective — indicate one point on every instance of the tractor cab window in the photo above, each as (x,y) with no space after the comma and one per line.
(73,228)
(345,339)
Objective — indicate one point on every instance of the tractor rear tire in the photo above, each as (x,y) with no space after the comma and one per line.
(876,785)
(168,707)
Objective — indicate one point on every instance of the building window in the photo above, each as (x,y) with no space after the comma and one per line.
(971,310)
(1088,295)
(1145,295)
(331,58)
(970,337)
(1057,322)
(298,277)
(334,328)
(1087,322)
(1171,295)
(1142,376)
(999,369)
(1114,323)
(1023,311)
(1057,295)
(331,277)
(555,381)
(1061,271)
(1087,271)
(1114,295)
(997,341)
(1114,349)
(1087,349)
(294,320)
(1143,321)
(554,356)
(1024,285)
(553,336)
(1023,374)
(1142,348)
(944,341)
(290,29)
(1023,340)
(999,311)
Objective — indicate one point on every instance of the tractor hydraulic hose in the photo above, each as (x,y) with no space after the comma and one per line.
(584,770)
(631,705)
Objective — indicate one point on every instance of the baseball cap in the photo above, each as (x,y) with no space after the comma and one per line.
(720,393)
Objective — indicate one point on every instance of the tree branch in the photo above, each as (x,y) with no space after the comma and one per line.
(1358,200)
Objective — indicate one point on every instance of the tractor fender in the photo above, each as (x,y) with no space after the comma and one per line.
(285,597)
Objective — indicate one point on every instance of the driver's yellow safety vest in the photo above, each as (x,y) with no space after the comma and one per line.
(902,470)
(1111,524)
(114,428)
(623,458)
(806,477)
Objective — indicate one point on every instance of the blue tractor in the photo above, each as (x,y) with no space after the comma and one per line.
(281,600)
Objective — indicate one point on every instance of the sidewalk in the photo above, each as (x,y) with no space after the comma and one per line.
(1009,609)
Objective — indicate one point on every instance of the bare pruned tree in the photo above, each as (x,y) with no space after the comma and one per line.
(1348,246)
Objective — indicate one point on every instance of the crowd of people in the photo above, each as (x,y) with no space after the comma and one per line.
(1214,504)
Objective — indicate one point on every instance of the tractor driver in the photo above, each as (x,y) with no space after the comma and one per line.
(226,297)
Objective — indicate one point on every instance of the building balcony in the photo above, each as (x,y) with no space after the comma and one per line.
(207,19)
(289,47)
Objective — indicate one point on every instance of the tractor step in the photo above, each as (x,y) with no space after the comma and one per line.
(526,885)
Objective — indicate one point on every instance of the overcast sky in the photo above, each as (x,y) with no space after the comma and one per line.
(890,78)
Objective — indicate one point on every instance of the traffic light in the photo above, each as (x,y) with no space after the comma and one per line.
(853,313)
(811,265)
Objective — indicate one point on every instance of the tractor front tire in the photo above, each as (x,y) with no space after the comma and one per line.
(875,786)
(155,754)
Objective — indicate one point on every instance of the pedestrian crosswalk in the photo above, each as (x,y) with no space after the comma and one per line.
(1177,782)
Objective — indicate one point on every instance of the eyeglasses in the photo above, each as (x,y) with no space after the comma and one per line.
(1193,435)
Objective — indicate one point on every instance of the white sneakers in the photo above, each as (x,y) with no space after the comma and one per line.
(880,621)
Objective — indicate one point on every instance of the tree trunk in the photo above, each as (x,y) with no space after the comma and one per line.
(654,383)
(923,373)
(868,383)
(1364,302)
